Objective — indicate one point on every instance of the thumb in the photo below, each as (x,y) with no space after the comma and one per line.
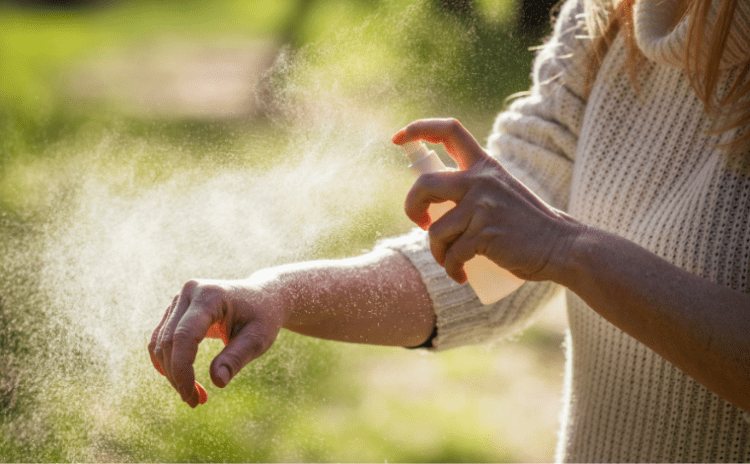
(244,347)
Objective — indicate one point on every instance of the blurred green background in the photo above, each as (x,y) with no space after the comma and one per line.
(144,143)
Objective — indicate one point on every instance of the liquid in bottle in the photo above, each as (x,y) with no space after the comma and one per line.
(490,281)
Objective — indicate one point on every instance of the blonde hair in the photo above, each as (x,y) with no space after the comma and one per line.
(701,64)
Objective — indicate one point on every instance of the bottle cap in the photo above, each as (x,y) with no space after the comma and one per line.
(415,151)
(422,159)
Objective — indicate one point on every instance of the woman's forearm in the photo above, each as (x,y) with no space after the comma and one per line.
(701,327)
(377,298)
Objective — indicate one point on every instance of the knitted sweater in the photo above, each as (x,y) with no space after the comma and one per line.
(643,166)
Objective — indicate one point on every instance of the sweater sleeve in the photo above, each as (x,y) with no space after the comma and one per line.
(536,137)
(535,140)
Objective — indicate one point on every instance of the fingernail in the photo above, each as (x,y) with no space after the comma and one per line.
(424,221)
(223,374)
(202,394)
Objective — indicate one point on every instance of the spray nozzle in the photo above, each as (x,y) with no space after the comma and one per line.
(422,159)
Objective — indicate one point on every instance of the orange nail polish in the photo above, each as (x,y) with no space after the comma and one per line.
(202,393)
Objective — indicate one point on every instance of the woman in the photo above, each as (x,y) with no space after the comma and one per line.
(637,127)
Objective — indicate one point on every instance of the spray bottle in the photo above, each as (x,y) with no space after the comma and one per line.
(489,281)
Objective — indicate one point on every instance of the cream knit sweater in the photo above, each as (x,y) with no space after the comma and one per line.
(642,166)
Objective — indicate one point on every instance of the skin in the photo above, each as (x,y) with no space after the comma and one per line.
(377,298)
(699,326)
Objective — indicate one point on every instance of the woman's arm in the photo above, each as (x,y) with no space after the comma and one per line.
(377,298)
(701,327)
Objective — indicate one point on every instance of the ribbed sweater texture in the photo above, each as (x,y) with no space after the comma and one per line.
(642,164)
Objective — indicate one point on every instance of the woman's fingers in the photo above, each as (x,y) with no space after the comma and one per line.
(188,334)
(192,313)
(464,247)
(250,342)
(167,336)
(433,188)
(205,307)
(446,230)
(458,142)
(154,350)
(495,216)
(458,237)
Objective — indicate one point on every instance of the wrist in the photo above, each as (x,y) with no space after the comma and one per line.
(294,290)
(565,262)
(271,286)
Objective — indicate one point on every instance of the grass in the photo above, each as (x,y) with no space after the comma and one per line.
(103,214)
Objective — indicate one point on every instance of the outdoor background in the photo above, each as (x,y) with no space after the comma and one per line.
(143,143)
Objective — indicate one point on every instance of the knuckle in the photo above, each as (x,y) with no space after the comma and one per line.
(454,125)
(164,347)
(182,336)
(166,343)
(471,180)
(484,207)
(486,243)
(412,206)
(439,237)
(210,288)
(485,235)
(156,349)
(422,181)
(209,294)
(484,180)
(189,286)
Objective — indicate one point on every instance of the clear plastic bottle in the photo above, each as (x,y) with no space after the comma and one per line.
(489,281)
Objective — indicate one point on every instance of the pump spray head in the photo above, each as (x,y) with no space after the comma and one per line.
(422,159)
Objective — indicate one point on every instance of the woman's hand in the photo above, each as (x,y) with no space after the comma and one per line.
(699,326)
(495,214)
(241,313)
